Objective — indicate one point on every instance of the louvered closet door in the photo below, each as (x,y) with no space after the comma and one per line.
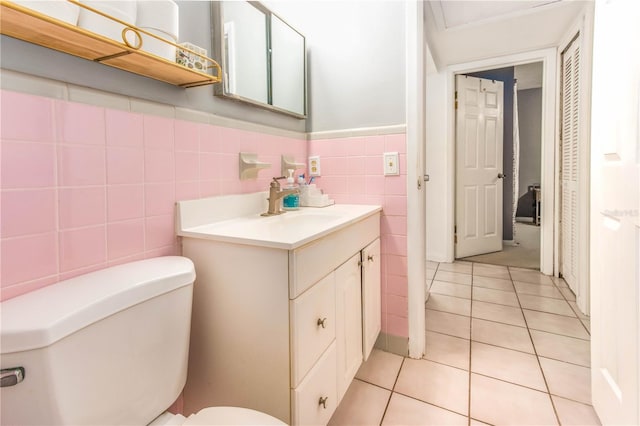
(569,165)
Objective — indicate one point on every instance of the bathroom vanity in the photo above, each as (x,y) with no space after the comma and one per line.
(285,308)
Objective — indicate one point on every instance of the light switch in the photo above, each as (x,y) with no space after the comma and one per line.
(314,166)
(391,165)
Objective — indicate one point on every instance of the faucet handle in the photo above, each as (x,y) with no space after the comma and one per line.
(275,183)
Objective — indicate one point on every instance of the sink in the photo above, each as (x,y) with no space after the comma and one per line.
(208,218)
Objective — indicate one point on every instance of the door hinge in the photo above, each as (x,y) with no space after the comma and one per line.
(455,235)
(456,99)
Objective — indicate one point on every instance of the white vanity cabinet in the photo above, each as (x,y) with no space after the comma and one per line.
(283,330)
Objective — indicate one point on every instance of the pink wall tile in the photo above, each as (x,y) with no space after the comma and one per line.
(210,166)
(26,287)
(123,128)
(374,185)
(125,238)
(188,190)
(28,165)
(159,231)
(81,165)
(81,207)
(356,166)
(125,165)
(82,247)
(397,305)
(159,198)
(395,185)
(397,285)
(395,143)
(396,265)
(125,202)
(374,145)
(210,139)
(187,166)
(158,133)
(28,212)
(187,136)
(80,123)
(28,258)
(373,165)
(26,117)
(159,166)
(395,205)
(395,244)
(397,326)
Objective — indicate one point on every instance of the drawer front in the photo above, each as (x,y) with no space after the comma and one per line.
(312,326)
(315,400)
(311,262)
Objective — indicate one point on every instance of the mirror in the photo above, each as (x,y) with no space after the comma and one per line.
(263,58)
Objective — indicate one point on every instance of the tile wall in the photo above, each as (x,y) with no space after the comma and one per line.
(85,187)
(352,172)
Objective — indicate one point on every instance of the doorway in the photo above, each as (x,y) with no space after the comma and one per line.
(520,172)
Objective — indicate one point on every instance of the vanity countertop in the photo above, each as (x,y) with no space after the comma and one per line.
(287,231)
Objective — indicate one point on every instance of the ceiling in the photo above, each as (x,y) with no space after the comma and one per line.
(461,31)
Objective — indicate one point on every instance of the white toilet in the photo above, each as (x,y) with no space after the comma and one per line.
(110,347)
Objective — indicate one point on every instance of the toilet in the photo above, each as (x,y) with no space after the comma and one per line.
(109,347)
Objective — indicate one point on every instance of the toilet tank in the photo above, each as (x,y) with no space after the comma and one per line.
(109,347)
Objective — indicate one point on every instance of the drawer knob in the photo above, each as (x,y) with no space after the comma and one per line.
(322,322)
(370,258)
(323,401)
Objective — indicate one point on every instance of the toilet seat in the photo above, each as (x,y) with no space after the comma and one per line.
(230,416)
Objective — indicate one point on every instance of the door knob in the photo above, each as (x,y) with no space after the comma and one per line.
(500,176)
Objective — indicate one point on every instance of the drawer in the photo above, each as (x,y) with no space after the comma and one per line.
(313,261)
(315,400)
(312,326)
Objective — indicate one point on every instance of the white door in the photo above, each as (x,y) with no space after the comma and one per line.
(479,177)
(570,116)
(615,220)
(371,298)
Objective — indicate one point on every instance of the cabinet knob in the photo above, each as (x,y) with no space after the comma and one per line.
(322,322)
(370,258)
(323,401)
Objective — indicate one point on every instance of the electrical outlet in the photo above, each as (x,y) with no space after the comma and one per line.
(314,165)
(391,165)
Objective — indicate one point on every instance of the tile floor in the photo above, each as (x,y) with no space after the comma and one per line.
(504,345)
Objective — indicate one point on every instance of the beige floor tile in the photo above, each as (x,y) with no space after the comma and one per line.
(577,310)
(587,324)
(495,296)
(437,384)
(497,313)
(363,404)
(562,348)
(450,289)
(491,271)
(567,380)
(508,365)
(497,402)
(553,323)
(432,265)
(403,410)
(444,303)
(537,290)
(568,294)
(453,277)
(446,323)
(474,422)
(462,267)
(381,369)
(503,335)
(546,304)
(573,413)
(445,349)
(491,282)
(560,282)
(430,273)
(534,277)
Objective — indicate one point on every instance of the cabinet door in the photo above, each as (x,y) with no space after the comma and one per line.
(348,322)
(371,307)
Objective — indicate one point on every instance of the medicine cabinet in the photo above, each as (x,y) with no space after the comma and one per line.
(263,58)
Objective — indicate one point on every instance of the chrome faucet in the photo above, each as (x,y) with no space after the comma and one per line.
(275,194)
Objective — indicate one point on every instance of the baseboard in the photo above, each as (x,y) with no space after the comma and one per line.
(394,344)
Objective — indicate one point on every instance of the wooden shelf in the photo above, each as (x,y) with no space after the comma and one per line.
(29,25)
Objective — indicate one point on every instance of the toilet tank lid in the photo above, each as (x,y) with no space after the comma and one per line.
(42,317)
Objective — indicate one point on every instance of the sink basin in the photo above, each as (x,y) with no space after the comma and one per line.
(288,230)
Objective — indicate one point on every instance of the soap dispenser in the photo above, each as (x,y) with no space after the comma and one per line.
(291,201)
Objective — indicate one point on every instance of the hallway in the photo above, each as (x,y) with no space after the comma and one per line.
(504,345)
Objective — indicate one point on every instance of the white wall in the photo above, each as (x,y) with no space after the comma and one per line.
(356,58)
(438,189)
